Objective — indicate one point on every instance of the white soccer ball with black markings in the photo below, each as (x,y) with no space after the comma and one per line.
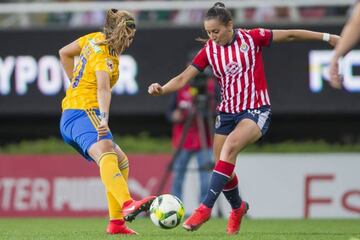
(167,211)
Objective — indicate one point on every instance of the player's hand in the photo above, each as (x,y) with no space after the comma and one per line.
(103,129)
(155,89)
(335,78)
(333,40)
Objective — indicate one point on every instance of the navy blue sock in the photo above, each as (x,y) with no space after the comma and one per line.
(231,192)
(220,176)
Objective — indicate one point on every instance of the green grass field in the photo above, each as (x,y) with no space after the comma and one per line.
(94,228)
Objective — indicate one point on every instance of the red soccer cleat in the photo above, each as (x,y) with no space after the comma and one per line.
(200,216)
(119,227)
(132,208)
(233,225)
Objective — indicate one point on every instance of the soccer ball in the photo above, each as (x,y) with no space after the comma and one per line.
(167,211)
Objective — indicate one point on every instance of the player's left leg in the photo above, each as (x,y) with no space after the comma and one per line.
(123,162)
(117,224)
(236,215)
(105,156)
(238,207)
(262,117)
(131,208)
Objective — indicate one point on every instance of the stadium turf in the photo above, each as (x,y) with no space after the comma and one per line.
(94,228)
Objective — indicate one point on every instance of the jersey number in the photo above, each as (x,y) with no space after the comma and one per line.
(81,71)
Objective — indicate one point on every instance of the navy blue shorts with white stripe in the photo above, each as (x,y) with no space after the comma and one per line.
(226,122)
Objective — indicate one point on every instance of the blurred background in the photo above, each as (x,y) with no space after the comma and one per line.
(318,125)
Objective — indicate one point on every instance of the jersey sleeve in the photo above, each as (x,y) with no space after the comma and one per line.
(262,37)
(82,40)
(200,61)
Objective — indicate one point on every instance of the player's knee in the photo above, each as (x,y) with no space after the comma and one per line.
(97,149)
(231,150)
(234,145)
(106,146)
(107,160)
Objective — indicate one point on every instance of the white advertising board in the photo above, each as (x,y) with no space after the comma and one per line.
(292,185)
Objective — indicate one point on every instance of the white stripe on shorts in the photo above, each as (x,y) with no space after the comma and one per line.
(263,117)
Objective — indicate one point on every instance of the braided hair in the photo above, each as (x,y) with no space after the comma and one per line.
(119,30)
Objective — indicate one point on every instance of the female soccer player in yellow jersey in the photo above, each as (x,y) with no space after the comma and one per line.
(84,121)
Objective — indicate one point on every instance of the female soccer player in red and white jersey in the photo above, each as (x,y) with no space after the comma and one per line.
(235,57)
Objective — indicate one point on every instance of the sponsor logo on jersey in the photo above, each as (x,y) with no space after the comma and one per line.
(232,68)
(96,47)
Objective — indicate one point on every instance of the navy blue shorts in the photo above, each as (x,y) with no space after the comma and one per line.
(226,122)
(78,129)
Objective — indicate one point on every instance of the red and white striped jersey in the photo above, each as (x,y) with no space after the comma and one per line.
(239,69)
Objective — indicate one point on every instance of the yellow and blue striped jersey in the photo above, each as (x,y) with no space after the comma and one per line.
(82,92)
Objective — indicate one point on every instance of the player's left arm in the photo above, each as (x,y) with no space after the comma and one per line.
(303,35)
(104,99)
(67,54)
(350,35)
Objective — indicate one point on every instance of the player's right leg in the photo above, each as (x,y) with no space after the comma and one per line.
(78,128)
(245,132)
(203,213)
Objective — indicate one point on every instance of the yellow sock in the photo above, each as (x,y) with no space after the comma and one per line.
(114,207)
(124,168)
(112,178)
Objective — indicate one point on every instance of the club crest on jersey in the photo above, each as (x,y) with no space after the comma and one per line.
(232,68)
(244,47)
(110,64)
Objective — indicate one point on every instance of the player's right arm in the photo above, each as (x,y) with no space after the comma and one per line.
(175,83)
(104,99)
(67,54)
